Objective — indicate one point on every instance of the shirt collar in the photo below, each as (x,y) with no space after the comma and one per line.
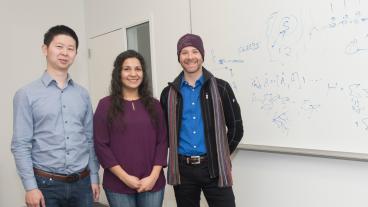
(47,79)
(198,82)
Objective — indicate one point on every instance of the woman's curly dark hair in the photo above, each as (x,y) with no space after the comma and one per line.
(116,89)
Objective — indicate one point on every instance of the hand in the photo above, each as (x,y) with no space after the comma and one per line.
(147,183)
(132,182)
(95,192)
(34,198)
(129,180)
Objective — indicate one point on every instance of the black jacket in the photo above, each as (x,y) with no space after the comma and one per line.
(231,110)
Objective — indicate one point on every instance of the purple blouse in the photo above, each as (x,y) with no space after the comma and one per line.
(131,142)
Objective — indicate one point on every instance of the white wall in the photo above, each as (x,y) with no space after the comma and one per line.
(23,24)
(169,20)
(280,180)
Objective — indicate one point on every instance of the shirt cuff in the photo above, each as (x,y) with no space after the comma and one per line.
(30,184)
(95,179)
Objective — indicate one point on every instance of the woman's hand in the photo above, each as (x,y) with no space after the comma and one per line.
(149,182)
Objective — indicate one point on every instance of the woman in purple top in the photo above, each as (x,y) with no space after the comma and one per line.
(130,137)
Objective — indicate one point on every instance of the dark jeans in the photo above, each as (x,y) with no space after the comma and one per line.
(195,178)
(62,194)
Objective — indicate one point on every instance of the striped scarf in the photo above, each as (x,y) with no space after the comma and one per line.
(222,147)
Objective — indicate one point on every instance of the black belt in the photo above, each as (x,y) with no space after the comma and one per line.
(59,177)
(193,160)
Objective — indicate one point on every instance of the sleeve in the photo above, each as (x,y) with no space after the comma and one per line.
(163,102)
(21,145)
(102,137)
(161,144)
(93,164)
(233,117)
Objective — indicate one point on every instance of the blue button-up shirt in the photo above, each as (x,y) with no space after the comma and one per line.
(191,137)
(52,130)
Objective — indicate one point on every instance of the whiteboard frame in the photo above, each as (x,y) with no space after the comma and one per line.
(306,152)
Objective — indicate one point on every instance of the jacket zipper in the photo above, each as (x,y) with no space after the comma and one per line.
(205,115)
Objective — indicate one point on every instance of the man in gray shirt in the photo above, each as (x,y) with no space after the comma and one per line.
(52,131)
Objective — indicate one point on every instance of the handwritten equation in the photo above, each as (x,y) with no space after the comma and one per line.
(289,97)
(292,47)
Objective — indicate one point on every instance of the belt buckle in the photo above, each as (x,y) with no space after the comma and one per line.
(195,160)
(73,177)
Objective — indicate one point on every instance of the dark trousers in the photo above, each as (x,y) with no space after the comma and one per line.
(194,179)
(62,194)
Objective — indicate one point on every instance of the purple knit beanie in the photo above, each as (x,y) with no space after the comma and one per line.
(190,40)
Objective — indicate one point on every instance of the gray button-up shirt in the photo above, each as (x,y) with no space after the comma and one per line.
(52,130)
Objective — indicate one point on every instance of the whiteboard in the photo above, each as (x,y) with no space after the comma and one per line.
(299,69)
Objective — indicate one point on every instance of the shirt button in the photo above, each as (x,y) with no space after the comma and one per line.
(67,153)
(193,103)
(194,132)
(195,146)
(64,106)
(66,122)
(67,137)
(194,117)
